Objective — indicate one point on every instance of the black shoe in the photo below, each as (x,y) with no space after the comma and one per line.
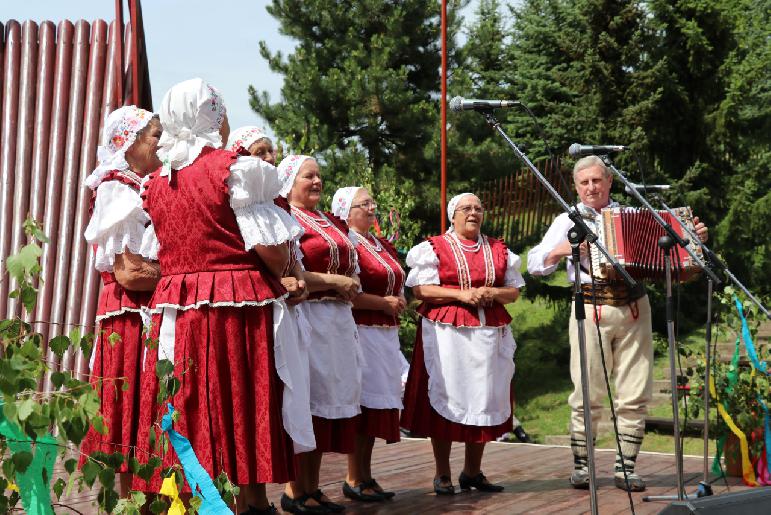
(372,484)
(479,482)
(443,490)
(270,510)
(298,505)
(331,507)
(356,493)
(523,437)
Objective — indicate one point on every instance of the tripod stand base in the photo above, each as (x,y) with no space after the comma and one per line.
(703,490)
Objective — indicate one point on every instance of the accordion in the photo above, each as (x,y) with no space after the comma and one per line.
(631,235)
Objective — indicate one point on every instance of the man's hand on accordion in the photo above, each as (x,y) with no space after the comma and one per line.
(563,249)
(702,231)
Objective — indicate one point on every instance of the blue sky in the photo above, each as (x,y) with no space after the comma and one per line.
(217,41)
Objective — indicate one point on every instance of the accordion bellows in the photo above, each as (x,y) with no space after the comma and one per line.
(631,235)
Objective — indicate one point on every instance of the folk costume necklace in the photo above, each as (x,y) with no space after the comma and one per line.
(319,225)
(375,249)
(459,250)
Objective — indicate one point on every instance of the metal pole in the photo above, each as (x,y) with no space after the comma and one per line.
(443,116)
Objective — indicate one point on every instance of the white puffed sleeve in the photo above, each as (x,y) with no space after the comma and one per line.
(253,184)
(513,277)
(150,244)
(117,223)
(424,265)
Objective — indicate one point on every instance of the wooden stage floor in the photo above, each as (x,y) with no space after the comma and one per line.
(535,477)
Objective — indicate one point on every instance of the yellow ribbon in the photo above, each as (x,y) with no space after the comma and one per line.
(169,489)
(747,472)
(12,486)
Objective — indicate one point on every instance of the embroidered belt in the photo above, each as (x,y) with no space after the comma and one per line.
(611,293)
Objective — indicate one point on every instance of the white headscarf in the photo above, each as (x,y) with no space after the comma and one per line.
(118,134)
(341,202)
(244,137)
(287,171)
(453,203)
(191,114)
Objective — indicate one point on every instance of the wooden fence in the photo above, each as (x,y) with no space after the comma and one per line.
(518,208)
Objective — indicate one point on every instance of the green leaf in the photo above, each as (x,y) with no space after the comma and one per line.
(89,470)
(26,408)
(21,460)
(114,338)
(75,337)
(158,506)
(58,488)
(21,264)
(28,297)
(164,368)
(59,345)
(57,379)
(70,465)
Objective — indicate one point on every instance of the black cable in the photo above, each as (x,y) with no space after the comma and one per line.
(542,135)
(607,385)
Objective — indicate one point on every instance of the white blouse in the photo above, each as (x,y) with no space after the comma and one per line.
(252,186)
(424,267)
(117,223)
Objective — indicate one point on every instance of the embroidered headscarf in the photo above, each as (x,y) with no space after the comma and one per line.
(118,134)
(287,171)
(191,114)
(341,202)
(244,137)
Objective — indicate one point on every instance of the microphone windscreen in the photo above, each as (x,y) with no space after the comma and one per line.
(574,150)
(456,104)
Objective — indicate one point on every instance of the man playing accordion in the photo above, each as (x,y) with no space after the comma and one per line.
(623,317)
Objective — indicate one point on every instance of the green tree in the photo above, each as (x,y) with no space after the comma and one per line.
(360,91)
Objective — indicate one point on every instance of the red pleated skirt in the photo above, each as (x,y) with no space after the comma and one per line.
(423,421)
(117,366)
(230,397)
(335,435)
(380,423)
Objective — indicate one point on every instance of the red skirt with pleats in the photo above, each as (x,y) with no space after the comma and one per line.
(335,435)
(117,366)
(380,423)
(230,396)
(423,421)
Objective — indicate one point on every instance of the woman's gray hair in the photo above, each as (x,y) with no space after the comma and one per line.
(588,162)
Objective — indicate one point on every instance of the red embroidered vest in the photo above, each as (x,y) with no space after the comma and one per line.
(479,273)
(325,246)
(202,255)
(375,278)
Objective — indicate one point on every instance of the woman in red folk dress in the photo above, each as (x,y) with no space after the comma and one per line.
(463,363)
(376,311)
(130,141)
(330,267)
(218,308)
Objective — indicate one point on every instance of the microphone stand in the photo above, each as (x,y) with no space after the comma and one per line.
(666,243)
(704,488)
(579,233)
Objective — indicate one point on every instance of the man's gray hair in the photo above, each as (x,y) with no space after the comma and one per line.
(588,162)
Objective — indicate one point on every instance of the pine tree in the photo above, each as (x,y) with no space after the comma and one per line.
(361,91)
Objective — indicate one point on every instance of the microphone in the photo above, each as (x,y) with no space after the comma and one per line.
(459,104)
(578,150)
(642,188)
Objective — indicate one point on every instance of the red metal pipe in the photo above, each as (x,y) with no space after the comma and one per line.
(80,274)
(24,133)
(11,70)
(117,34)
(134,53)
(443,116)
(59,111)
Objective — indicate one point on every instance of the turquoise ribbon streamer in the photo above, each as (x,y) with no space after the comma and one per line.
(747,337)
(196,476)
(34,490)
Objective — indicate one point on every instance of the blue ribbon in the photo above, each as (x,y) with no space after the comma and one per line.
(767,423)
(747,337)
(200,483)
